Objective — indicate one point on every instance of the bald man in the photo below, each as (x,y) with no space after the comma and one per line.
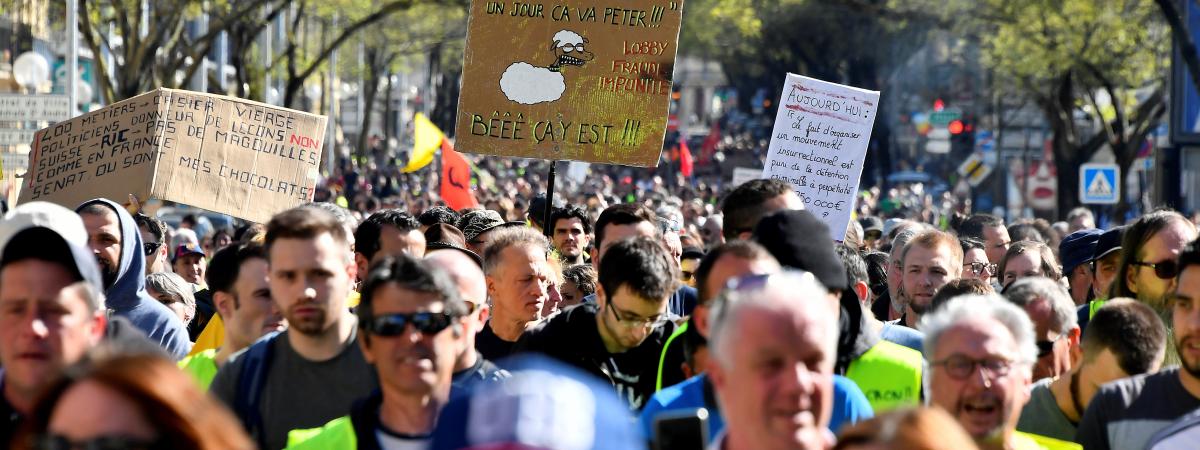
(465,271)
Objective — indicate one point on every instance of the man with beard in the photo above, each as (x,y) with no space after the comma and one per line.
(312,372)
(1128,412)
(889,308)
(980,351)
(773,358)
(1148,270)
(619,337)
(115,240)
(929,261)
(572,230)
(412,323)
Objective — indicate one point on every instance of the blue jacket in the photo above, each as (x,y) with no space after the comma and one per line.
(849,404)
(127,296)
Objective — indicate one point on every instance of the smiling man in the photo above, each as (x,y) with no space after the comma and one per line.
(772,363)
(980,351)
(412,324)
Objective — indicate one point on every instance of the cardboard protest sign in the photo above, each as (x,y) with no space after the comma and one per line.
(224,154)
(819,144)
(583,80)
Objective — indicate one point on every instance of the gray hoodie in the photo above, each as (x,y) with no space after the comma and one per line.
(127,296)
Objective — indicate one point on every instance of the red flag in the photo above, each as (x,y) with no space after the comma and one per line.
(685,159)
(456,179)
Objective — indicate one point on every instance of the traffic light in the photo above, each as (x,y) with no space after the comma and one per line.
(962,137)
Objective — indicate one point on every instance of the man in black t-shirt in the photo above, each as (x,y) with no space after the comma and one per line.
(518,282)
(619,337)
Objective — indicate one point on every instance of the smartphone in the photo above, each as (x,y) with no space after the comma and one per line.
(685,429)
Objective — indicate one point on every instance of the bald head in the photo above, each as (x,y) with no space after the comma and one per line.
(465,272)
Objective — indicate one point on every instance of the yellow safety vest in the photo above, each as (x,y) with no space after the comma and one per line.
(889,374)
(336,435)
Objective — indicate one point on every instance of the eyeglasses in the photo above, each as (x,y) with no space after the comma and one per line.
(1047,347)
(59,442)
(650,322)
(978,268)
(150,247)
(394,324)
(1165,270)
(960,367)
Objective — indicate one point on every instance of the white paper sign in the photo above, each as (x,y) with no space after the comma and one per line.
(21,107)
(744,174)
(819,144)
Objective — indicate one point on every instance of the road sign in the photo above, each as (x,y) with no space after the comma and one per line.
(944,117)
(975,169)
(1099,184)
(9,136)
(22,107)
(937,146)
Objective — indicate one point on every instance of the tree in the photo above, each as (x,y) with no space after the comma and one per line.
(1067,55)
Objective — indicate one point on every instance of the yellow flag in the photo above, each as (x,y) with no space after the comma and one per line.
(427,139)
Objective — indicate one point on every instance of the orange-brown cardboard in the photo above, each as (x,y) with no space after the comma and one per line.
(583,80)
(243,158)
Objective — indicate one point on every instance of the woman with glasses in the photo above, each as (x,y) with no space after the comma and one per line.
(975,260)
(130,401)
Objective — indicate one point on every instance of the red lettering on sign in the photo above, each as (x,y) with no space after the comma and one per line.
(305,141)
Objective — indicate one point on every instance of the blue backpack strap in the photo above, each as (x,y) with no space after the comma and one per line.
(253,376)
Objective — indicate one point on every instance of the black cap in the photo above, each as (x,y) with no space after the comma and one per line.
(799,240)
(537,207)
(1109,242)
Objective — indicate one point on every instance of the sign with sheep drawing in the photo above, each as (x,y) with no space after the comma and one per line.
(582,80)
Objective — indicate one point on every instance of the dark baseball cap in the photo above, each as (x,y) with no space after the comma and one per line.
(1109,242)
(799,240)
(1078,247)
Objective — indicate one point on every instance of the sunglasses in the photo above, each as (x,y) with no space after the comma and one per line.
(394,324)
(150,247)
(1047,347)
(1165,270)
(59,442)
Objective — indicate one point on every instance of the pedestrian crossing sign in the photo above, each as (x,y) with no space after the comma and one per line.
(1099,184)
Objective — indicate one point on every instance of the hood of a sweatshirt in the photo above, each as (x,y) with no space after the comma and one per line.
(130,285)
(52,233)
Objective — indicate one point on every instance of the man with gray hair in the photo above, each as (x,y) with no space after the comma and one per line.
(518,282)
(786,404)
(1050,308)
(980,352)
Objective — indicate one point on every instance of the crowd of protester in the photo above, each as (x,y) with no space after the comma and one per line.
(655,312)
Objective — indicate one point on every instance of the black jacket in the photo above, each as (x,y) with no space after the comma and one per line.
(572,337)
